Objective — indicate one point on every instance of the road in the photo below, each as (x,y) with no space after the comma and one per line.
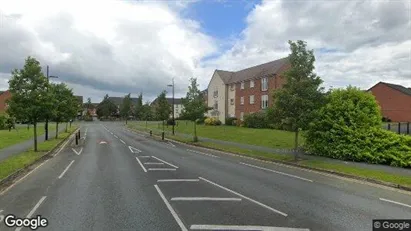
(121,180)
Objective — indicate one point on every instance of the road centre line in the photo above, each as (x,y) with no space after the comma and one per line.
(202,153)
(243,227)
(278,172)
(116,136)
(245,197)
(161,169)
(111,133)
(65,170)
(33,210)
(142,166)
(178,180)
(395,202)
(170,208)
(122,141)
(153,163)
(145,156)
(205,199)
(172,165)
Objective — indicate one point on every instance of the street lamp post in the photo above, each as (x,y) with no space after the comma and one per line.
(47,119)
(172,85)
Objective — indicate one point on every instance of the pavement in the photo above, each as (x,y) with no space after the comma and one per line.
(25,145)
(122,180)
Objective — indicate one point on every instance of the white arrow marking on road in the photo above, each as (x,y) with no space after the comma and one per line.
(83,138)
(103,142)
(78,153)
(134,150)
(171,144)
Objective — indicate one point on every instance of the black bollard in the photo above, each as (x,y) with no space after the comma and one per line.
(162,135)
(151,133)
(76,139)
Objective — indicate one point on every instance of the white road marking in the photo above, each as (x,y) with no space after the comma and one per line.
(170,208)
(140,135)
(134,150)
(202,153)
(244,227)
(122,141)
(65,170)
(171,144)
(178,180)
(395,202)
(145,156)
(172,165)
(154,163)
(247,198)
(85,132)
(205,199)
(282,173)
(7,189)
(33,210)
(111,133)
(161,169)
(62,146)
(142,166)
(116,136)
(78,153)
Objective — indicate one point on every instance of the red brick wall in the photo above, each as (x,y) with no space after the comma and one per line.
(394,104)
(3,97)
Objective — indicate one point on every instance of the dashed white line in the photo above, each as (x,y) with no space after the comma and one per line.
(122,141)
(161,169)
(282,173)
(65,170)
(244,227)
(170,208)
(33,210)
(172,165)
(178,180)
(144,156)
(142,166)
(395,202)
(153,163)
(111,133)
(116,136)
(202,153)
(171,144)
(205,199)
(247,198)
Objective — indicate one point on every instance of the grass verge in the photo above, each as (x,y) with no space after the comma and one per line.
(314,164)
(16,162)
(21,134)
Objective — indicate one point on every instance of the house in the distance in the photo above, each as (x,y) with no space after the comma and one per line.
(178,106)
(394,100)
(235,94)
(4,96)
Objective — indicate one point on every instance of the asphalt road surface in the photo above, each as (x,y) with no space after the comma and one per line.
(122,180)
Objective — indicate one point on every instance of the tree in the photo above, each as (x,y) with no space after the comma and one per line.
(106,108)
(125,108)
(146,112)
(138,112)
(194,105)
(63,104)
(30,99)
(296,103)
(162,107)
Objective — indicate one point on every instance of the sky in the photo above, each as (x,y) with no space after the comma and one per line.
(114,47)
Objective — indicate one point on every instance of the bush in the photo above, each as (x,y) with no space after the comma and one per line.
(201,120)
(212,121)
(230,121)
(3,120)
(348,127)
(171,122)
(386,119)
(256,120)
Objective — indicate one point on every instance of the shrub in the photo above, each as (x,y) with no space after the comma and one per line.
(201,120)
(171,122)
(212,121)
(256,120)
(348,127)
(3,120)
(230,121)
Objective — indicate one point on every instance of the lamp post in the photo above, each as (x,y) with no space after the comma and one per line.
(172,85)
(47,119)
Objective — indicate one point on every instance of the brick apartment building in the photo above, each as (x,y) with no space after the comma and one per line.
(394,100)
(235,94)
(4,96)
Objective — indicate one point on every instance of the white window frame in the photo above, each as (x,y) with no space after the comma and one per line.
(264,84)
(242,100)
(251,83)
(241,115)
(264,101)
(231,101)
(242,85)
(252,99)
(232,87)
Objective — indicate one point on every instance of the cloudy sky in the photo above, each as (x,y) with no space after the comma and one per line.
(116,47)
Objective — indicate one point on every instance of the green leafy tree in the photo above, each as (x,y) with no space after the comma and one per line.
(63,105)
(194,105)
(125,108)
(296,103)
(106,108)
(146,112)
(162,107)
(29,99)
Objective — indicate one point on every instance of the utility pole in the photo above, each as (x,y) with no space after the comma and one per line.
(172,85)
(46,136)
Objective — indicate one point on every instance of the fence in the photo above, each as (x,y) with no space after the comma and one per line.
(400,128)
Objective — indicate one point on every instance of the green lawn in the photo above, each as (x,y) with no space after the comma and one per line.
(260,137)
(16,162)
(21,134)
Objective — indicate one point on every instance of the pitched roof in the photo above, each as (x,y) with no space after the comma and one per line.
(170,101)
(400,88)
(119,100)
(225,75)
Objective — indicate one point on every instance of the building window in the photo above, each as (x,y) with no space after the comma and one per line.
(232,87)
(242,100)
(241,115)
(215,93)
(264,84)
(264,101)
(242,85)
(232,101)
(216,105)
(251,99)
(251,83)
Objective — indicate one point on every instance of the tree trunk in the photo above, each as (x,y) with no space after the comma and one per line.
(66,127)
(35,136)
(28,126)
(57,130)
(195,138)
(126,121)
(296,145)
(163,125)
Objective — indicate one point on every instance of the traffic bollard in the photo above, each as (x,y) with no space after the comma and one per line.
(151,133)
(79,133)
(162,136)
(76,139)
